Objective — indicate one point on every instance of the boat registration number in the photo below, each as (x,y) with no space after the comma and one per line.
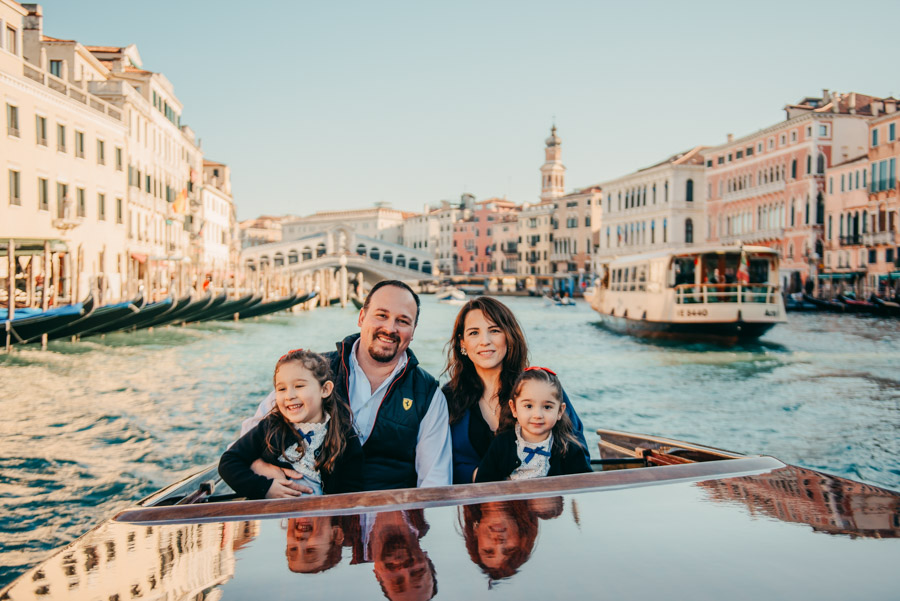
(692,313)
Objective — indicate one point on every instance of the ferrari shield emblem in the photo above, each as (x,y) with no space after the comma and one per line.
(407,403)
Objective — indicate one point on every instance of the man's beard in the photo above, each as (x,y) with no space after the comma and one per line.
(383,356)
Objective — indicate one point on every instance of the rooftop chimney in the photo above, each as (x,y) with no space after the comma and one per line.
(32,33)
(825,95)
(852,103)
(835,102)
(730,138)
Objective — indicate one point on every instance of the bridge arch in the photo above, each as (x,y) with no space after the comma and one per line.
(374,253)
(388,257)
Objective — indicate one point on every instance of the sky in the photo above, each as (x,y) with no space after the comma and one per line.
(339,105)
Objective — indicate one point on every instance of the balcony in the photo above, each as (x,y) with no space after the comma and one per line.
(878,238)
(767,235)
(71,90)
(852,240)
(752,191)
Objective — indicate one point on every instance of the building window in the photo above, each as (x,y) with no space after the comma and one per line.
(829,227)
(79,144)
(62,194)
(43,194)
(793,136)
(689,231)
(820,164)
(842,183)
(101,207)
(892,132)
(61,138)
(689,191)
(40,127)
(12,40)
(823,130)
(56,68)
(120,213)
(794,169)
(12,120)
(873,255)
(15,188)
(831,185)
(101,152)
(783,139)
(119,161)
(80,202)
(874,137)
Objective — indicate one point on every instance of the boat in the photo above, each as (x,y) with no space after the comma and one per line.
(795,303)
(194,307)
(657,518)
(450,295)
(721,294)
(857,306)
(32,327)
(228,309)
(275,306)
(98,318)
(831,306)
(134,321)
(356,301)
(562,301)
(887,307)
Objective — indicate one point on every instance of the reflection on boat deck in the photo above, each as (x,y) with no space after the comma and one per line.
(829,505)
(125,562)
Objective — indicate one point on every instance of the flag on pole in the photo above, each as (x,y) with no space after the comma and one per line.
(743,274)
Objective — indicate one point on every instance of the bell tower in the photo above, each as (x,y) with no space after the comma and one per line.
(553,172)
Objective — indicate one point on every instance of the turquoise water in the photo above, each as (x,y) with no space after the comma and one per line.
(90,427)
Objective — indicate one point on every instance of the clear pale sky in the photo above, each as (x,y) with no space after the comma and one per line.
(337,105)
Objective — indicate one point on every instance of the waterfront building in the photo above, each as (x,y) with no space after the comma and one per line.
(262,230)
(447,214)
(216,230)
(661,206)
(846,197)
(535,232)
(475,237)
(768,187)
(883,210)
(62,152)
(421,231)
(164,165)
(576,223)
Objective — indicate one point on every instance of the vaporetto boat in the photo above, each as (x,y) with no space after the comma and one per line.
(715,293)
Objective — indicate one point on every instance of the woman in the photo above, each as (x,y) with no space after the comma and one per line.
(485,356)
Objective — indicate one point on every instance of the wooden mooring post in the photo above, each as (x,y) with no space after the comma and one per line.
(11,290)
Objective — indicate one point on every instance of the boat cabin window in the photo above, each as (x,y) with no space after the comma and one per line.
(759,270)
(642,278)
(633,278)
(683,271)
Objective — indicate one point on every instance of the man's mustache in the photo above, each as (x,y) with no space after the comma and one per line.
(387,334)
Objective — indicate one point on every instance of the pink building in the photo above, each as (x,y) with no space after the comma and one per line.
(769,187)
(845,209)
(883,212)
(475,239)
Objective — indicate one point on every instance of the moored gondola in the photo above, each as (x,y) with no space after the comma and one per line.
(825,305)
(853,305)
(229,308)
(274,306)
(100,317)
(887,307)
(131,322)
(210,309)
(192,307)
(33,327)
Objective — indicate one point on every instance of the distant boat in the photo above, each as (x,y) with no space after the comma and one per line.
(449,294)
(718,293)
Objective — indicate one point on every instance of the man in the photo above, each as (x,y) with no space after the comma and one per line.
(398,408)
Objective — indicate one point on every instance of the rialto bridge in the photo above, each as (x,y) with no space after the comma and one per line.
(332,259)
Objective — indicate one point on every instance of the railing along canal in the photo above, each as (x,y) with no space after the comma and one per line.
(725,293)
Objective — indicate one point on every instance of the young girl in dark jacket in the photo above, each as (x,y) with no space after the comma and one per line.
(309,431)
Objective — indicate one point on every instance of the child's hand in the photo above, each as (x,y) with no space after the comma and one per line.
(282,488)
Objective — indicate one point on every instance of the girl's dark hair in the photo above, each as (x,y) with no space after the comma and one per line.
(526,523)
(281,433)
(465,387)
(563,431)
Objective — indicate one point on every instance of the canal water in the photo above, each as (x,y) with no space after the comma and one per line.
(89,427)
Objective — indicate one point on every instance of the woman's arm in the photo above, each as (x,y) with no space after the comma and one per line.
(465,458)
(577,427)
(495,466)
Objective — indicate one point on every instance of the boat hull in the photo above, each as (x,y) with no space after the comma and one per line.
(727,332)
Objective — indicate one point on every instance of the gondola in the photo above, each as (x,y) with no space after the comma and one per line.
(657,518)
(888,308)
(202,314)
(132,322)
(825,305)
(857,306)
(190,308)
(356,301)
(100,317)
(274,306)
(229,308)
(31,328)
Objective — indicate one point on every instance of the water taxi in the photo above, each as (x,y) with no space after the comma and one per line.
(657,518)
(716,293)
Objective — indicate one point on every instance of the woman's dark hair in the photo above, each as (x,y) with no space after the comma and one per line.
(281,433)
(563,431)
(465,387)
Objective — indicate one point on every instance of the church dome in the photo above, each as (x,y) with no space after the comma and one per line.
(553,140)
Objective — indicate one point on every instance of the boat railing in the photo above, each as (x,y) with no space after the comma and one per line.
(686,294)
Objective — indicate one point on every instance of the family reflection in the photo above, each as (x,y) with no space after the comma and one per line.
(500,536)
(389,541)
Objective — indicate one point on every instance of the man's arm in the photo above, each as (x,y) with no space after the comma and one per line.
(434,454)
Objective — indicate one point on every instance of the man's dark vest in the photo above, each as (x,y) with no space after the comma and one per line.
(391,447)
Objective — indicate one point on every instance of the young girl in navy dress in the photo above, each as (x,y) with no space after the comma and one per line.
(309,430)
(536,437)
